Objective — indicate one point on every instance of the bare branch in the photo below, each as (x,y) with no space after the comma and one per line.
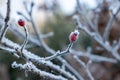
(28,56)
(105,45)
(26,38)
(32,68)
(58,53)
(82,12)
(94,58)
(84,66)
(109,25)
(4,28)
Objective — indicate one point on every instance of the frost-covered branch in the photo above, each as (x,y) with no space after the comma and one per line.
(29,67)
(104,44)
(15,48)
(58,53)
(110,22)
(93,57)
(84,15)
(5,27)
(85,66)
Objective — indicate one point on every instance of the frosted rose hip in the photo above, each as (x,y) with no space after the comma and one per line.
(21,22)
(73,36)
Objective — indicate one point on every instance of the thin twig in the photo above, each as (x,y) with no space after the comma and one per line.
(109,25)
(4,28)
(26,38)
(82,12)
(94,58)
(84,66)
(58,53)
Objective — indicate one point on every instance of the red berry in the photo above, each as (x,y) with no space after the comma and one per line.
(73,36)
(21,22)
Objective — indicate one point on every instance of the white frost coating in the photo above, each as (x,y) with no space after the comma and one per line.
(67,74)
(50,64)
(101,42)
(94,58)
(34,58)
(30,67)
(107,43)
(7,49)
(86,66)
(75,17)
(114,7)
(76,32)
(14,45)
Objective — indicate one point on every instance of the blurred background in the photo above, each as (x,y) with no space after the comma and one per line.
(56,16)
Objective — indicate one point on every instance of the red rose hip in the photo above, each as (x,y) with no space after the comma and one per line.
(74,36)
(21,22)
